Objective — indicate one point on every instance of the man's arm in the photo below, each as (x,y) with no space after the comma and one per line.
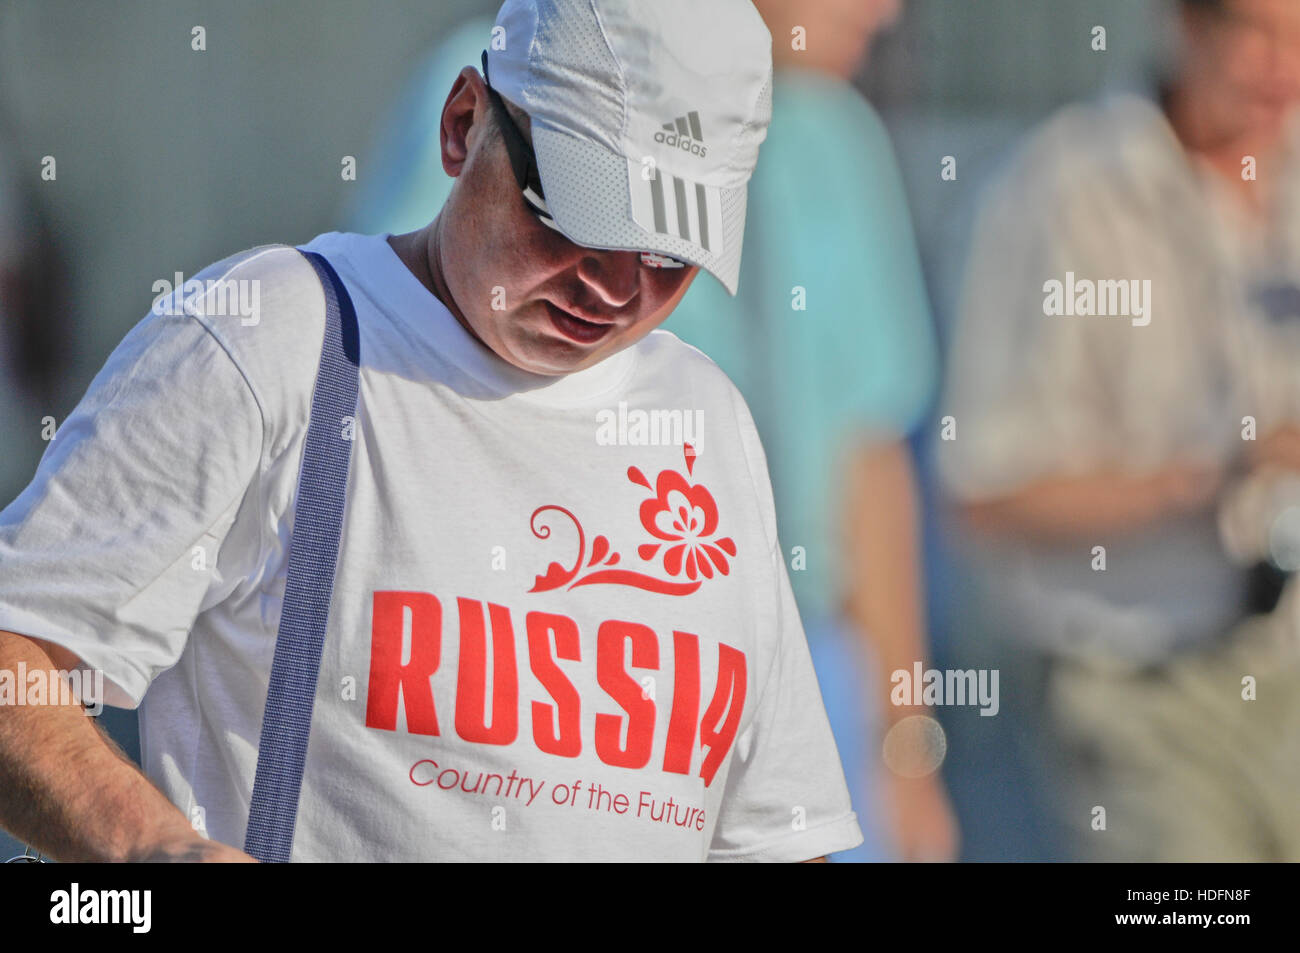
(885,602)
(67,790)
(1063,508)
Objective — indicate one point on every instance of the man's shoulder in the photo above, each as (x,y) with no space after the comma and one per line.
(253,293)
(1115,141)
(807,103)
(683,365)
(266,307)
(694,376)
(274,261)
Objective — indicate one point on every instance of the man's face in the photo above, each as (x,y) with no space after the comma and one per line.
(1250,55)
(838,31)
(538,300)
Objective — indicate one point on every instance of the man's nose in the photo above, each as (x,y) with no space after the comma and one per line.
(613,275)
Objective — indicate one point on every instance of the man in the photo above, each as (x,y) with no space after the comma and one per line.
(554,635)
(1125,362)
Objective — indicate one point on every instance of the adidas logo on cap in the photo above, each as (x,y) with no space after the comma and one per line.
(672,205)
(684,133)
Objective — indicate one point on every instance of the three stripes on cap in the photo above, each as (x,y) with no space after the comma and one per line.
(688,125)
(670,205)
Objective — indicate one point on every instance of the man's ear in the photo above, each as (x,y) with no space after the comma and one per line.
(464,118)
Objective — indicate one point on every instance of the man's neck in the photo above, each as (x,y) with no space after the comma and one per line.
(421,252)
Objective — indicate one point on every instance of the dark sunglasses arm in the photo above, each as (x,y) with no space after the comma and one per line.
(522,162)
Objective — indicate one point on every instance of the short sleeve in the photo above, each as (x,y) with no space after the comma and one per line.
(786,799)
(110,549)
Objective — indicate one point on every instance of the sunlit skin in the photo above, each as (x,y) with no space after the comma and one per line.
(485,239)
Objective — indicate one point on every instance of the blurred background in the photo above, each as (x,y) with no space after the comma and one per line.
(167,158)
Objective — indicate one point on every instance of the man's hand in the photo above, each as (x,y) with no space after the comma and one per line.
(68,791)
(1187,488)
(1068,508)
(924,827)
(1280,448)
(190,850)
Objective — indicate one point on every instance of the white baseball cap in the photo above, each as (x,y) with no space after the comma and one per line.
(646,118)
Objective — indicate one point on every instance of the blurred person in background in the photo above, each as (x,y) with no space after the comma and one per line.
(34,334)
(34,328)
(1123,452)
(831,341)
(834,389)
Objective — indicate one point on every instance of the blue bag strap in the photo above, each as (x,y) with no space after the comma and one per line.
(313,556)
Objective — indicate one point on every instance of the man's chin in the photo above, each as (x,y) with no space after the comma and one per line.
(552,357)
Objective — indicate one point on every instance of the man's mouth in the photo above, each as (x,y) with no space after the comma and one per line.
(576,328)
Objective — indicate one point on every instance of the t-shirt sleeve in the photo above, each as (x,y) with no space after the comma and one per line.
(110,550)
(785,798)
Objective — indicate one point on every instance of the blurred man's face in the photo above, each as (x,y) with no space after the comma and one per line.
(538,300)
(1249,56)
(838,31)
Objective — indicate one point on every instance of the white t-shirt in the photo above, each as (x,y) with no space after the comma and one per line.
(545,642)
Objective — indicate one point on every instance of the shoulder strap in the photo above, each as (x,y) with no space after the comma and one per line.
(313,555)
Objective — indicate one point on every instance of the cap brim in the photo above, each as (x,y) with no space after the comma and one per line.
(600,199)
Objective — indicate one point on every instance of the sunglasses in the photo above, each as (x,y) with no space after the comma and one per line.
(523,162)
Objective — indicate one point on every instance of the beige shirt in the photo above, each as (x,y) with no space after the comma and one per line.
(1106,192)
